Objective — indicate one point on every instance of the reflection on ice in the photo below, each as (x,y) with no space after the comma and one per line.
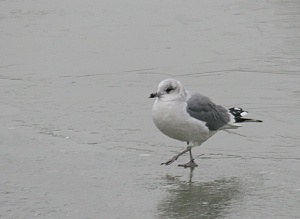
(199,199)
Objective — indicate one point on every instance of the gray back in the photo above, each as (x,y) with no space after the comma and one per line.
(202,108)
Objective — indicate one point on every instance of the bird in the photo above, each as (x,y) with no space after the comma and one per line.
(191,117)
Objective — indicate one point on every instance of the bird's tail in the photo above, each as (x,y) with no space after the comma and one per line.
(239,113)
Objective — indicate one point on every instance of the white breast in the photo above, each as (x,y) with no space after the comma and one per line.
(171,118)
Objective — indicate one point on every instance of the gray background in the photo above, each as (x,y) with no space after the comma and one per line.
(76,135)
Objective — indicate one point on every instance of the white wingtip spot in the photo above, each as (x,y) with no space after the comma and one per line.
(244,113)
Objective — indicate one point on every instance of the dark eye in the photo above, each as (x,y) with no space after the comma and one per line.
(169,89)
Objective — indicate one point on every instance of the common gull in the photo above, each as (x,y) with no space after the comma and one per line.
(191,117)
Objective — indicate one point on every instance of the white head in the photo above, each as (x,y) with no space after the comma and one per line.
(169,89)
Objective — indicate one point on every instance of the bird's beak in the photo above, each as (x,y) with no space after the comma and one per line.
(153,95)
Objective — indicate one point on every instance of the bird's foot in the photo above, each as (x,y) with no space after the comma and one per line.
(191,164)
(170,161)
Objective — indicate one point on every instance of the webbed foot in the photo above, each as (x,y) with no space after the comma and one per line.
(191,163)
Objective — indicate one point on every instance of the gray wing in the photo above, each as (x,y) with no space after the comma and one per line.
(202,108)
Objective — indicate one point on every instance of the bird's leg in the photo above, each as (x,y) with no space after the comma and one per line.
(178,155)
(191,163)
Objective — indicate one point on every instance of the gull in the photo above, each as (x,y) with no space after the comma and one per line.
(191,117)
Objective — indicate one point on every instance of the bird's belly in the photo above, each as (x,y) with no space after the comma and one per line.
(177,124)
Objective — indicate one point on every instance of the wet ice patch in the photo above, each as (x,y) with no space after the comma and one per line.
(144,155)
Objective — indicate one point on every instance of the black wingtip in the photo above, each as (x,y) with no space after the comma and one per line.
(238,114)
(239,120)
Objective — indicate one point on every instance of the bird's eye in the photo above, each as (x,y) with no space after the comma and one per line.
(169,89)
